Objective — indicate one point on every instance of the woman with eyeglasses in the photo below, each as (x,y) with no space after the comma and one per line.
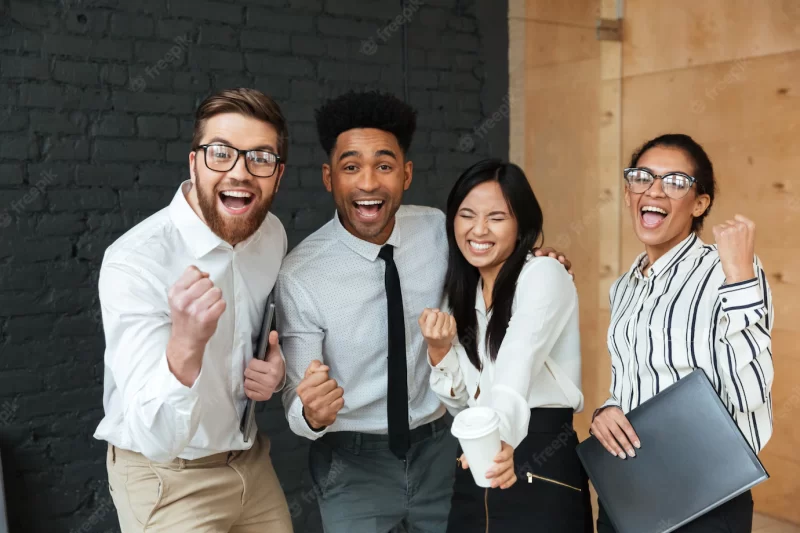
(685,305)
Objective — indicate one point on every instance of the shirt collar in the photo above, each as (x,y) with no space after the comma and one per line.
(365,249)
(195,233)
(678,252)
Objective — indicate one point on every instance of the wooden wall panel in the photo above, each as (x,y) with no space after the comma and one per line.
(726,72)
(549,44)
(779,495)
(786,397)
(748,128)
(580,13)
(662,36)
(562,81)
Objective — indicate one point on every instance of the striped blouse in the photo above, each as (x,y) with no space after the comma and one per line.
(682,317)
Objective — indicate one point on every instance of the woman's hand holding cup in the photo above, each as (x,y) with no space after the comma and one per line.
(502,473)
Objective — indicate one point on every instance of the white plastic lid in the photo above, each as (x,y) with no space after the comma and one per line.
(475,422)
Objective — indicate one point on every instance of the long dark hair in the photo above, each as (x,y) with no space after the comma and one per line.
(461,283)
(703,169)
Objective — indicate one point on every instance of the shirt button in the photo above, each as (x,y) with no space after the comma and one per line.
(724,300)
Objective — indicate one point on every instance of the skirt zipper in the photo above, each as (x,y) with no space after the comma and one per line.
(486,505)
(531,476)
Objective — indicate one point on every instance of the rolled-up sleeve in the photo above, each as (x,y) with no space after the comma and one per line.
(447,381)
(160,414)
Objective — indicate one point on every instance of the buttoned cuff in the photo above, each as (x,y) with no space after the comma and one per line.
(448,365)
(742,295)
(298,423)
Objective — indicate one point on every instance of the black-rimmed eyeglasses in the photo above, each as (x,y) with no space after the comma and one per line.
(674,184)
(222,158)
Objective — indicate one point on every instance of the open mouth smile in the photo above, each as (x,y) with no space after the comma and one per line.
(368,210)
(236,202)
(480,247)
(652,217)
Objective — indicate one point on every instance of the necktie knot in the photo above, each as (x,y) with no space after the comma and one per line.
(387,253)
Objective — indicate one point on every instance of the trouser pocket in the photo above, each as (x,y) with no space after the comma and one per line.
(145,488)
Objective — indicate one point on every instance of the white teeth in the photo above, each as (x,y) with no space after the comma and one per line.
(654,209)
(484,246)
(369,202)
(237,194)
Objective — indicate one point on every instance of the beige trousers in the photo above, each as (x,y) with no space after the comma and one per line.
(233,492)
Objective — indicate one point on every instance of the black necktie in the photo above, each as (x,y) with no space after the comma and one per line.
(397,400)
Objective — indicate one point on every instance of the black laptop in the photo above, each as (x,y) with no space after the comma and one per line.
(693,458)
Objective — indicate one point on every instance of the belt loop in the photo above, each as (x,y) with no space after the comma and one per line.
(181,463)
(357,443)
(113,454)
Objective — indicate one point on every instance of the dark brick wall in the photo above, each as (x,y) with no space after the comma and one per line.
(96,102)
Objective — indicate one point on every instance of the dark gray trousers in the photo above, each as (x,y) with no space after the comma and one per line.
(363,488)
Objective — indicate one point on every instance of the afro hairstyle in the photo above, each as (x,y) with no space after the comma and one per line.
(370,109)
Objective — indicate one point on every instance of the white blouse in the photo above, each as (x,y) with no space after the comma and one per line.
(539,361)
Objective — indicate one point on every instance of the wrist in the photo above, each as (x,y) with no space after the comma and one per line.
(310,423)
(437,353)
(185,360)
(600,410)
(738,274)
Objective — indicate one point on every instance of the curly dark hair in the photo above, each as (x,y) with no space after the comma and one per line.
(370,109)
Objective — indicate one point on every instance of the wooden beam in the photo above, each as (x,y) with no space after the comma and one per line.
(609,201)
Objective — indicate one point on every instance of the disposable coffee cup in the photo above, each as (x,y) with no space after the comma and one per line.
(478,431)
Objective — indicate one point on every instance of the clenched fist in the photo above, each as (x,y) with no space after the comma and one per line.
(735,245)
(321,396)
(439,330)
(195,307)
(262,378)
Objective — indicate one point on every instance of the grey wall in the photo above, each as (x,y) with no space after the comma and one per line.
(96,102)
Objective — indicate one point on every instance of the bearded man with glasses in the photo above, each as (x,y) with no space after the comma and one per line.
(182,296)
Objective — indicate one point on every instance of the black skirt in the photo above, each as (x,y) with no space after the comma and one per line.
(551,493)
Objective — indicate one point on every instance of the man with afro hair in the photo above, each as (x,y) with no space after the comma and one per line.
(348,298)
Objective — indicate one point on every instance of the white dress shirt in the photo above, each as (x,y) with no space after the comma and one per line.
(147,410)
(539,361)
(683,316)
(331,306)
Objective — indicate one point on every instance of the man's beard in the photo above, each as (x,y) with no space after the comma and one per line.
(230,229)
